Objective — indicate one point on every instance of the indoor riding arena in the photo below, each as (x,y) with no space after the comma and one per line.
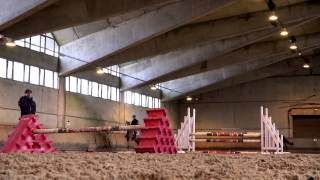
(159,89)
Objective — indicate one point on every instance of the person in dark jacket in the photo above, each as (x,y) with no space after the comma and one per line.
(134,121)
(27,104)
(133,133)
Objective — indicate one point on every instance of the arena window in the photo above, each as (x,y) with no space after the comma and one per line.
(141,100)
(85,87)
(113,70)
(29,74)
(44,43)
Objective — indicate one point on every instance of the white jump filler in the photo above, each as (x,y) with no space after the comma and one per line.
(186,133)
(270,137)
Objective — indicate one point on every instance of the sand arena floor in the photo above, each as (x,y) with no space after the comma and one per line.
(151,166)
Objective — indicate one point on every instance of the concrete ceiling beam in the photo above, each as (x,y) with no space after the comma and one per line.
(280,68)
(191,83)
(97,46)
(68,13)
(13,11)
(213,44)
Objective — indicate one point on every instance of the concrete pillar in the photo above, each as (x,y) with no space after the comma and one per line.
(122,108)
(61,103)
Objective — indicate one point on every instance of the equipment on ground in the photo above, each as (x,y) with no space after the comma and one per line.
(30,136)
(269,137)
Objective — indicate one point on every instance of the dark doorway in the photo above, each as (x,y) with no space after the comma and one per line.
(306,126)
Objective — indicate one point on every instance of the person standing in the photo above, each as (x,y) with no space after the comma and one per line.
(27,104)
(134,121)
(133,133)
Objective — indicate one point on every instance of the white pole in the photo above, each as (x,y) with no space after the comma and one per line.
(261,128)
(194,129)
(189,129)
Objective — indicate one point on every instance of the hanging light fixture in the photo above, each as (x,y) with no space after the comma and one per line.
(273,17)
(293,45)
(99,70)
(284,32)
(189,98)
(306,64)
(10,42)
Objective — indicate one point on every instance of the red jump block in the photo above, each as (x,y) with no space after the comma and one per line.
(22,139)
(159,138)
(157,112)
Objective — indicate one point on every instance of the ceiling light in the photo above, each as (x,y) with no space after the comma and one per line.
(99,70)
(273,17)
(189,98)
(284,32)
(153,87)
(293,46)
(10,43)
(306,64)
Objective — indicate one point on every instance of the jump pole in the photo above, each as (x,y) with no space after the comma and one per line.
(228,134)
(227,140)
(90,129)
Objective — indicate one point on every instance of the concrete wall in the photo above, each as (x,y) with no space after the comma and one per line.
(81,111)
(239,106)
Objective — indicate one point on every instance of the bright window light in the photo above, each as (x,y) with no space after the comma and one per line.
(41,80)
(137,99)
(3,68)
(150,100)
(67,83)
(128,97)
(19,43)
(143,101)
(84,87)
(113,94)
(78,85)
(73,84)
(55,80)
(90,88)
(95,92)
(104,91)
(9,70)
(26,73)
(48,82)
(34,75)
(18,71)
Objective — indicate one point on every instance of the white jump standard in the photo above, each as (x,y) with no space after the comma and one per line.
(187,132)
(270,138)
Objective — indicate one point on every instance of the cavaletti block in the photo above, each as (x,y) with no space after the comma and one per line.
(158,139)
(22,139)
